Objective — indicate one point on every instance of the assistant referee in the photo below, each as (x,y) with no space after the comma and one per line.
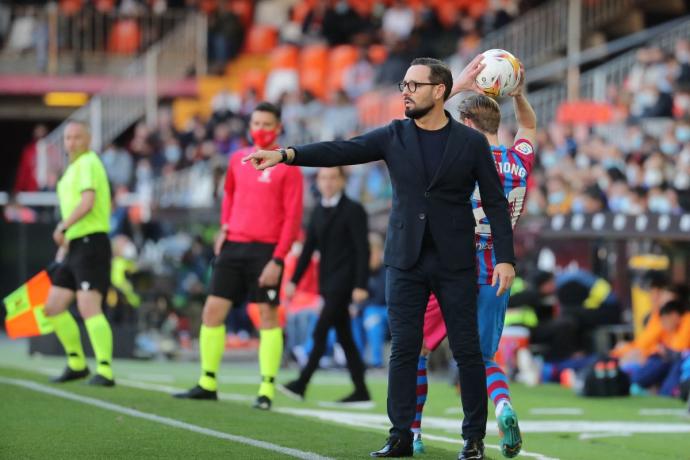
(84,259)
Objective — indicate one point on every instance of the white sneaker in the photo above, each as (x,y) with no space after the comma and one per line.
(529,368)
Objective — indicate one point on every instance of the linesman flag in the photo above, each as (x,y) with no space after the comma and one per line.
(25,315)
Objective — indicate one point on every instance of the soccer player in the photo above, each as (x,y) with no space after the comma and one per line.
(260,219)
(84,259)
(514,165)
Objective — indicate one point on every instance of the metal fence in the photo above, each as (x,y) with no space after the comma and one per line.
(133,95)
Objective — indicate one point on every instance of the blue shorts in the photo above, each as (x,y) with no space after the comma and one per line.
(491,314)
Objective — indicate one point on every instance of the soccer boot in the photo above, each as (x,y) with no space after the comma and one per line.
(70,374)
(100,381)
(292,390)
(262,403)
(198,393)
(508,428)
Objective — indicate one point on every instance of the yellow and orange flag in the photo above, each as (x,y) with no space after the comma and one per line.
(25,315)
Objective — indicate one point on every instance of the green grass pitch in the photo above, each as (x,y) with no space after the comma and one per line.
(556,423)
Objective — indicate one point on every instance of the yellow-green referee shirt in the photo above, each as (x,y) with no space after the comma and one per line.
(85,173)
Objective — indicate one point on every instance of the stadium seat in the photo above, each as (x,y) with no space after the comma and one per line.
(261,39)
(447,13)
(208,6)
(476,9)
(301,10)
(584,112)
(105,6)
(340,59)
(378,53)
(362,7)
(369,106)
(70,7)
(183,109)
(254,79)
(313,63)
(244,10)
(125,37)
(285,57)
(394,106)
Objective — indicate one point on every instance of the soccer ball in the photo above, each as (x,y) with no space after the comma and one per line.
(501,76)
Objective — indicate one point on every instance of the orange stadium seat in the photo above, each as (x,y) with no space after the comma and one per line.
(340,59)
(208,6)
(70,7)
(285,57)
(301,10)
(370,109)
(447,13)
(261,39)
(105,6)
(395,107)
(125,37)
(184,109)
(476,9)
(378,53)
(313,63)
(244,9)
(363,7)
(584,112)
(254,79)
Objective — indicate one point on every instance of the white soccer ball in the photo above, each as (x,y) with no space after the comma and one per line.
(501,76)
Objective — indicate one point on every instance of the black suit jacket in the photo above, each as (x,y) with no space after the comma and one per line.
(341,236)
(444,204)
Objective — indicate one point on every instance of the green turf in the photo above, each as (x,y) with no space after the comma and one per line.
(35,425)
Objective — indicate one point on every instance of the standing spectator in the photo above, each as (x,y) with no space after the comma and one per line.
(398,22)
(25,181)
(119,165)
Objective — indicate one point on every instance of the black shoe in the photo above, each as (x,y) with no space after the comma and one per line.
(394,447)
(262,403)
(473,450)
(99,381)
(70,374)
(359,398)
(292,390)
(198,393)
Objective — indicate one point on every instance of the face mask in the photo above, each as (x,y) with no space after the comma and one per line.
(683,134)
(631,175)
(636,143)
(653,177)
(681,181)
(264,138)
(646,98)
(659,204)
(533,208)
(619,203)
(578,206)
(668,148)
(548,160)
(172,153)
(556,198)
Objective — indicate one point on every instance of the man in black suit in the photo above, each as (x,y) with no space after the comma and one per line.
(338,230)
(434,164)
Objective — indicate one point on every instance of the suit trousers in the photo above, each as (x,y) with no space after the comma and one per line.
(407,295)
(335,314)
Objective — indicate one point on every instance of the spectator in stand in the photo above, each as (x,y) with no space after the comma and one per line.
(25,180)
(340,119)
(226,35)
(359,78)
(119,165)
(398,22)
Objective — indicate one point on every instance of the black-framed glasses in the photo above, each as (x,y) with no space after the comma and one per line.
(412,85)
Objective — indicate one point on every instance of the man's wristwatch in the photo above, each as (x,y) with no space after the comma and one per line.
(278,261)
(283,156)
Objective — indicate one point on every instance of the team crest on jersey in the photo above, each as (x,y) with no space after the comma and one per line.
(265,176)
(524,148)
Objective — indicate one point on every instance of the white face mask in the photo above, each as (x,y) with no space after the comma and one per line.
(653,177)
(659,204)
(682,180)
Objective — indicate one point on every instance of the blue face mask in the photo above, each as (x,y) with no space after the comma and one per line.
(636,143)
(683,134)
(578,206)
(668,148)
(556,198)
(659,204)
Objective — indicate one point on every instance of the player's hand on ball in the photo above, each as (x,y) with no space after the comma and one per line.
(519,91)
(262,159)
(504,274)
(270,275)
(359,295)
(466,81)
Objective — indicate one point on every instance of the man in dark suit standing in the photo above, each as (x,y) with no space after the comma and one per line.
(434,164)
(338,230)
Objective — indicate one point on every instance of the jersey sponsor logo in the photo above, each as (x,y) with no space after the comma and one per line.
(484,245)
(524,148)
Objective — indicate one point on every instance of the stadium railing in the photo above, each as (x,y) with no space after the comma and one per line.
(134,94)
(539,35)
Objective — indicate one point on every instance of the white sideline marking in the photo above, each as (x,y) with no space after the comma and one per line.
(158,378)
(655,412)
(171,390)
(556,411)
(379,422)
(28,384)
(584,436)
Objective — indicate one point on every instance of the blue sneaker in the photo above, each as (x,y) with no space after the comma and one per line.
(511,440)
(418,446)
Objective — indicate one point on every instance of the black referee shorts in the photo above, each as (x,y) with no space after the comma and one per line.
(236,272)
(87,265)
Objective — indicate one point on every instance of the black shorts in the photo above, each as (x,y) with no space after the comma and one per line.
(236,272)
(87,265)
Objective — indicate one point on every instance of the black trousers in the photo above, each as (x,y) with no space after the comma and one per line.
(407,294)
(335,314)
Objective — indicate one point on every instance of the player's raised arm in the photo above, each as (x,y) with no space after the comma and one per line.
(524,113)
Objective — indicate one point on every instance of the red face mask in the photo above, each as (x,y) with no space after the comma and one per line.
(263,137)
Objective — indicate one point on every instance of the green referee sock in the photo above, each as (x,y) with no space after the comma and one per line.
(101,337)
(68,334)
(211,347)
(270,355)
